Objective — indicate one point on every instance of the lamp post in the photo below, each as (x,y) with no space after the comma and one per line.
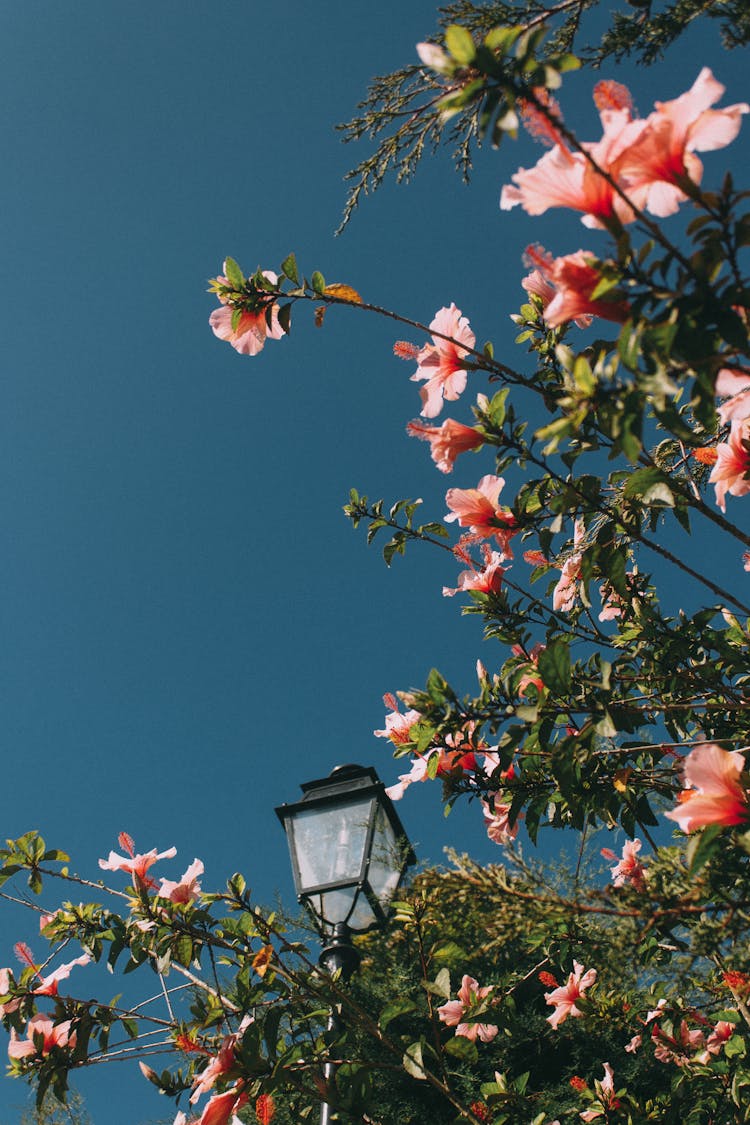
(349,853)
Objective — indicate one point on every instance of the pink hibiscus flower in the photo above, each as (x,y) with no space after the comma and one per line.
(605,1091)
(627,869)
(488,580)
(135,865)
(252,329)
(456,756)
(566,179)
(713,791)
(397,724)
(664,149)
(564,998)
(188,888)
(452,1013)
(221,1107)
(446,441)
(477,508)
(48,985)
(731,473)
(572,279)
(499,828)
(734,384)
(443,362)
(52,1035)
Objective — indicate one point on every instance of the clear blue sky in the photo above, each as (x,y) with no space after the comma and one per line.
(189,625)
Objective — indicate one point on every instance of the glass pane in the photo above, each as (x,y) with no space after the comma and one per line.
(387,860)
(330,842)
(336,906)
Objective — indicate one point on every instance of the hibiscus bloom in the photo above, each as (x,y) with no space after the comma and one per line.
(470,995)
(455,756)
(713,792)
(563,178)
(442,363)
(477,508)
(564,998)
(565,592)
(446,441)
(188,887)
(135,865)
(488,580)
(221,1107)
(627,869)
(52,1035)
(48,985)
(605,1089)
(664,149)
(499,828)
(735,385)
(397,724)
(679,1048)
(731,473)
(571,281)
(252,329)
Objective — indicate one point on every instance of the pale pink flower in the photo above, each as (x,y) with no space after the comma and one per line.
(564,998)
(135,865)
(252,328)
(562,178)
(452,1013)
(53,1035)
(456,756)
(663,151)
(45,919)
(676,1049)
(219,1064)
(628,868)
(499,828)
(488,580)
(477,508)
(733,384)
(605,1089)
(565,592)
(188,888)
(221,1107)
(731,473)
(722,1031)
(446,441)
(397,724)
(634,1044)
(612,603)
(575,277)
(531,677)
(713,791)
(654,1013)
(48,985)
(442,363)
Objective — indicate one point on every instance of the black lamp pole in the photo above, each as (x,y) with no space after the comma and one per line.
(349,852)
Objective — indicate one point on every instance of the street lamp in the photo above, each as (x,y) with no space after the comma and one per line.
(349,853)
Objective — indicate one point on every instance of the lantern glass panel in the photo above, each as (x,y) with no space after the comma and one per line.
(336,906)
(387,860)
(329,843)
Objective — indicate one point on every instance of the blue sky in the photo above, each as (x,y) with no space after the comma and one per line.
(190,626)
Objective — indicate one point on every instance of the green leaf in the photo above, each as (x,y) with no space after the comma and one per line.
(701,847)
(234,274)
(460,44)
(395,1009)
(318,282)
(289,268)
(462,1048)
(285,318)
(554,666)
(412,1061)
